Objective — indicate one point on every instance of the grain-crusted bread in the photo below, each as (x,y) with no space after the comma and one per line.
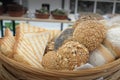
(70,55)
(90,33)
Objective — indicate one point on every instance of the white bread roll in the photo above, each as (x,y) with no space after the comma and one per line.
(101,56)
(114,20)
(112,41)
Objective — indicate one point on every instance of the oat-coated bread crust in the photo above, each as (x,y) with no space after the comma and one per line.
(90,33)
(50,61)
(68,56)
(72,54)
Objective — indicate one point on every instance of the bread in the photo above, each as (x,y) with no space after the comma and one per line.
(64,35)
(50,47)
(8,32)
(112,40)
(51,60)
(104,22)
(87,17)
(72,54)
(30,47)
(53,34)
(90,33)
(92,15)
(29,28)
(7,43)
(31,42)
(0,40)
(101,56)
(114,20)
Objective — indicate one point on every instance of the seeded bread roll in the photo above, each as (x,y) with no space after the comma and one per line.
(101,56)
(112,40)
(87,17)
(83,18)
(72,54)
(90,33)
(50,61)
(95,15)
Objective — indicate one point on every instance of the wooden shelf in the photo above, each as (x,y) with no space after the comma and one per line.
(24,18)
(4,17)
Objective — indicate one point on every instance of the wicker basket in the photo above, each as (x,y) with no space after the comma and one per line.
(12,70)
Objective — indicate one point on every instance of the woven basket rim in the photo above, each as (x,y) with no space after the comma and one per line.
(54,73)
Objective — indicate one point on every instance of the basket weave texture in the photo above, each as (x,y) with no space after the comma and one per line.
(12,70)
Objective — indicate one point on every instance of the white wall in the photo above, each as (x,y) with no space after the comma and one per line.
(54,4)
(67,5)
(36,4)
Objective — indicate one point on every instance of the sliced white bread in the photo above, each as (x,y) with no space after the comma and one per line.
(112,41)
(101,56)
(30,47)
(53,34)
(8,32)
(7,43)
(27,28)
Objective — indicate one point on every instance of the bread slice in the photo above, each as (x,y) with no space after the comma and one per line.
(7,43)
(38,43)
(115,49)
(53,34)
(24,53)
(27,28)
(101,56)
(30,47)
(112,40)
(8,32)
(0,40)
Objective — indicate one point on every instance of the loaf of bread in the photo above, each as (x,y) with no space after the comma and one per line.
(51,61)
(101,56)
(112,40)
(88,16)
(64,35)
(90,33)
(70,55)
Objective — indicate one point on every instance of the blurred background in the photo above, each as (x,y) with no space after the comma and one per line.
(73,8)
